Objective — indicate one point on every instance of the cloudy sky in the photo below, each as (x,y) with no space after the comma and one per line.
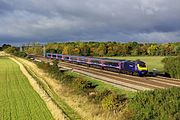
(89,20)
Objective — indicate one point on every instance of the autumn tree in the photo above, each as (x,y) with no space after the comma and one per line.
(101,50)
(152,49)
(68,50)
(177,49)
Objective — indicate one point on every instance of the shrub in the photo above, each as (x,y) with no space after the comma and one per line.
(156,105)
(20,54)
(102,94)
(10,50)
(172,66)
(67,79)
(84,85)
(114,102)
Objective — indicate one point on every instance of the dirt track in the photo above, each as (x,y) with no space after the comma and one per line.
(55,111)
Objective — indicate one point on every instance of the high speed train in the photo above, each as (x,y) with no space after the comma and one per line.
(138,67)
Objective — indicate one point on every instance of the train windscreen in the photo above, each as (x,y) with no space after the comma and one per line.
(141,64)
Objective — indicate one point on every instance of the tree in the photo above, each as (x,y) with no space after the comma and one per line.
(135,52)
(101,50)
(131,46)
(53,48)
(169,49)
(84,49)
(5,46)
(10,50)
(29,50)
(93,48)
(143,49)
(152,49)
(177,49)
(110,49)
(123,50)
(68,50)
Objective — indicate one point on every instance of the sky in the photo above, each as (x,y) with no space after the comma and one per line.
(25,21)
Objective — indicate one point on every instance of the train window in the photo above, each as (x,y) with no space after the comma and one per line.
(111,63)
(83,59)
(115,64)
(59,56)
(54,55)
(66,58)
(95,61)
(73,58)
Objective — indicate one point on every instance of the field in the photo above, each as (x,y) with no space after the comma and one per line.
(18,100)
(151,61)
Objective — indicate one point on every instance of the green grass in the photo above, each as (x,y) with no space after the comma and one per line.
(18,100)
(102,86)
(67,110)
(151,61)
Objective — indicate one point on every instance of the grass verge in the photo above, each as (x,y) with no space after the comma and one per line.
(102,86)
(67,110)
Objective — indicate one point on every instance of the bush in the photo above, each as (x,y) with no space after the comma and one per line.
(84,85)
(10,50)
(20,54)
(172,66)
(67,79)
(114,102)
(156,105)
(43,65)
(102,94)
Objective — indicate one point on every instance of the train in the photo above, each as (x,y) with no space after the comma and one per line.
(137,67)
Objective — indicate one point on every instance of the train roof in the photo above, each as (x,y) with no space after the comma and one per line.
(108,59)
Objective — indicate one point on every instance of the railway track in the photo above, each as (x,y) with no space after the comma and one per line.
(141,83)
(129,82)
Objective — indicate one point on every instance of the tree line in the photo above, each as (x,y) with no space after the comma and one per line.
(105,49)
(114,49)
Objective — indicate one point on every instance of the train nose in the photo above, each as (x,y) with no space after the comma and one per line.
(142,73)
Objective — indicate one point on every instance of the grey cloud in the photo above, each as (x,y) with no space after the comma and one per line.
(61,20)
